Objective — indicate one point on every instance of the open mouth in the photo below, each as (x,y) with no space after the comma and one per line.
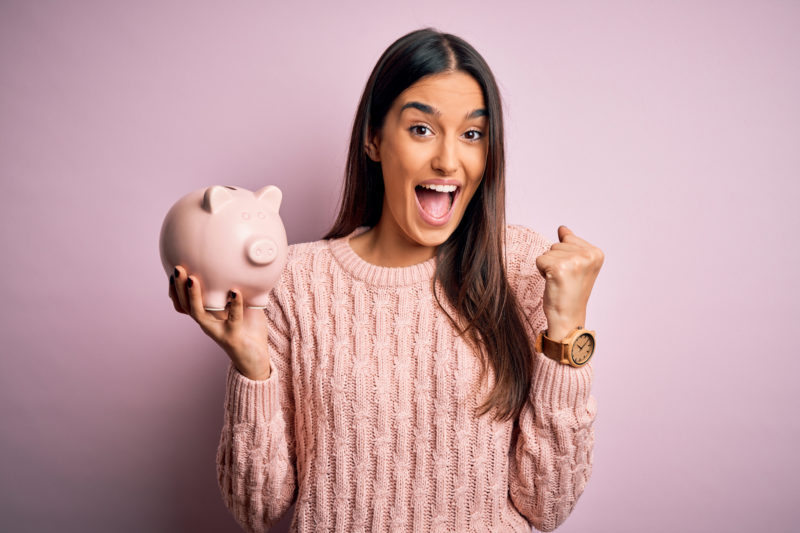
(436,201)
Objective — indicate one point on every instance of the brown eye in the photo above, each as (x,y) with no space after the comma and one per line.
(477,135)
(415,129)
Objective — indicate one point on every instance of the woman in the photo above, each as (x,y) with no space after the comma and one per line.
(357,393)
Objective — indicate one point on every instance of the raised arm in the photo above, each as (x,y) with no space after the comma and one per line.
(551,454)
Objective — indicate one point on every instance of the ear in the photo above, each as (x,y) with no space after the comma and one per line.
(215,198)
(373,148)
(271,196)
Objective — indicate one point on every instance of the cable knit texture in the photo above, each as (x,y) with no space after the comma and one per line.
(368,421)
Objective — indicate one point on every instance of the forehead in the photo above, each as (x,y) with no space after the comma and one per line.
(450,92)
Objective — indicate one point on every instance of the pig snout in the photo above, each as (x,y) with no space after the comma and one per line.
(261,250)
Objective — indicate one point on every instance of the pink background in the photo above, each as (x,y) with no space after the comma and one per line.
(667,135)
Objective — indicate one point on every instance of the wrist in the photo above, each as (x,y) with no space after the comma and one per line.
(558,334)
(558,329)
(261,377)
(257,368)
(254,374)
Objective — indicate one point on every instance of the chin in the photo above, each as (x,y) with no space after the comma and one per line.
(431,236)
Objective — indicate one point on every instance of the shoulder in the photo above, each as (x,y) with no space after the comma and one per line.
(300,260)
(524,245)
(293,285)
(302,251)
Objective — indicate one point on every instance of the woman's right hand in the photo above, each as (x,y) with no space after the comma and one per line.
(242,333)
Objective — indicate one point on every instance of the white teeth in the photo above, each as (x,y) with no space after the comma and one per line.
(440,188)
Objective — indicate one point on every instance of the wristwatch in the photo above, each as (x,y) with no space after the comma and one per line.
(575,349)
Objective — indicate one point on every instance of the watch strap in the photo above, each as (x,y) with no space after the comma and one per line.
(550,348)
(554,350)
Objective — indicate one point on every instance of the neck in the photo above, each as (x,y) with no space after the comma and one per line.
(389,247)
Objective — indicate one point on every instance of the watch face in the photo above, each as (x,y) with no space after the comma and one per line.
(582,348)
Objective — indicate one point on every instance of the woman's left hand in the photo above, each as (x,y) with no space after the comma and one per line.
(569,269)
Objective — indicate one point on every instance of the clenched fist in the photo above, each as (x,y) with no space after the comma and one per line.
(569,268)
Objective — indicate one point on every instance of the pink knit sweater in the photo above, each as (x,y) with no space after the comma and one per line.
(367,422)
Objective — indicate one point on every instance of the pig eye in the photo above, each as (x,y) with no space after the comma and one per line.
(261,214)
(245,215)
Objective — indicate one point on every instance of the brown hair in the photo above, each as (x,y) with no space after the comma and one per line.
(470,264)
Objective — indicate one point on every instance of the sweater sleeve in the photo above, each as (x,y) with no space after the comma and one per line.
(550,460)
(256,458)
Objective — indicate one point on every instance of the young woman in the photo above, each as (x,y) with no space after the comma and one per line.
(395,381)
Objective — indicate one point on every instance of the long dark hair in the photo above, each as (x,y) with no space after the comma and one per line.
(470,266)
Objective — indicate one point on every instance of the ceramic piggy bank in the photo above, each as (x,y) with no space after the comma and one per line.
(229,238)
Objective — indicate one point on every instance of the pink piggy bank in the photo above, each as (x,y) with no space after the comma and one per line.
(230,238)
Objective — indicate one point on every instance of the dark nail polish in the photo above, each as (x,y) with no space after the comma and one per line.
(176,273)
(189,282)
(232,295)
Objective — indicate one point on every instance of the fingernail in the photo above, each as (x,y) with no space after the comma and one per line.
(232,295)
(189,282)
(176,273)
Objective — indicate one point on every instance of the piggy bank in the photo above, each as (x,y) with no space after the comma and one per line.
(230,238)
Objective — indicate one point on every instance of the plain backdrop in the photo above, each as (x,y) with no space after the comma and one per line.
(667,134)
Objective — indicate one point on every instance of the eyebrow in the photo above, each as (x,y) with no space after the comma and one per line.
(428,110)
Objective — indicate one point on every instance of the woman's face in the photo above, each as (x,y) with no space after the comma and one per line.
(432,149)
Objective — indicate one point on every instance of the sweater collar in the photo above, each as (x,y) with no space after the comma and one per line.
(360,269)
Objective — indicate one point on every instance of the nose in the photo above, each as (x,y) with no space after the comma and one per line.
(446,158)
(262,251)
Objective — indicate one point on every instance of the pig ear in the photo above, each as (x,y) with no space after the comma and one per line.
(271,195)
(215,198)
